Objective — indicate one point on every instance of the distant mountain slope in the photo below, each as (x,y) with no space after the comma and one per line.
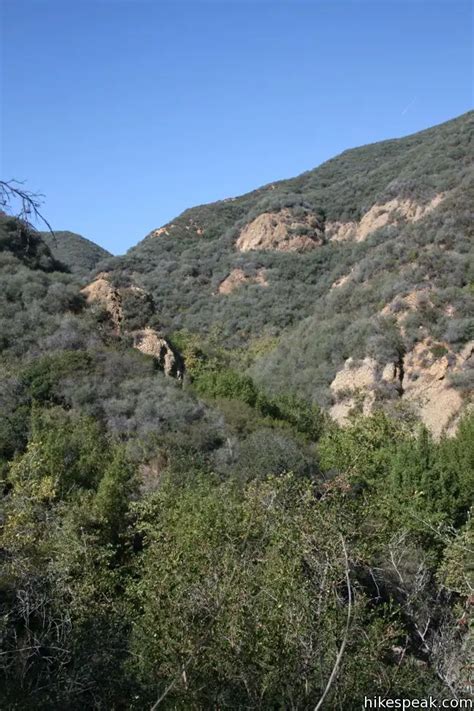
(321,264)
(184,262)
(79,254)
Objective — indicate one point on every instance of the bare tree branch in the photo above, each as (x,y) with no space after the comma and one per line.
(27,203)
(340,654)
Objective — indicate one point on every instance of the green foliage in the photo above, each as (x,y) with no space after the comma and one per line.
(439,350)
(77,253)
(213,372)
(419,483)
(226,384)
(69,449)
(28,247)
(236,586)
(362,450)
(304,417)
(114,492)
(457,570)
(41,376)
(226,592)
(424,478)
(64,632)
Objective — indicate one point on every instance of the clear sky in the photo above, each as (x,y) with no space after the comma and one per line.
(124,113)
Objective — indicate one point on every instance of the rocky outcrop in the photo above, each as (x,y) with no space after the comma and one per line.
(281,231)
(355,377)
(354,387)
(161,231)
(191,226)
(287,230)
(427,385)
(238,278)
(102,292)
(379,216)
(422,380)
(147,340)
(340,231)
(152,343)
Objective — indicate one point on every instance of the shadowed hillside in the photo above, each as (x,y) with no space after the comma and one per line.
(79,254)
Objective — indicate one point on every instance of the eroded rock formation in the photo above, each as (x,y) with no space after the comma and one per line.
(379,216)
(152,343)
(147,340)
(281,231)
(102,292)
(422,379)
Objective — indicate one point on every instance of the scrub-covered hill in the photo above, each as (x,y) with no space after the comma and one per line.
(181,524)
(368,256)
(77,253)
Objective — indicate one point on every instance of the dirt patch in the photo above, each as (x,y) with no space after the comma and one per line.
(238,278)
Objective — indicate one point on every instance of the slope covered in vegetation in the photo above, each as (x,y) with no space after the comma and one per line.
(217,540)
(77,253)
(381,223)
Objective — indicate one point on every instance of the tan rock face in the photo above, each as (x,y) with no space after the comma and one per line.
(422,381)
(102,292)
(150,342)
(160,231)
(354,384)
(427,386)
(379,216)
(279,231)
(147,341)
(354,377)
(341,231)
(237,278)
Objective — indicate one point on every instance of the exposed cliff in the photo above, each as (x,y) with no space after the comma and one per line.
(282,231)
(424,379)
(147,340)
(102,292)
(378,216)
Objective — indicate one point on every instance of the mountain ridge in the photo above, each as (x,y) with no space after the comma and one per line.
(79,254)
(379,221)
(355,154)
(347,151)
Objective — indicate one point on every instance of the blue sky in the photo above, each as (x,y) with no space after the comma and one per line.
(124,113)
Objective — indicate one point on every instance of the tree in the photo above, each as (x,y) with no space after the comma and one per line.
(23,204)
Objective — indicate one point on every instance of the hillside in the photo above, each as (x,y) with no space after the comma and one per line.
(368,258)
(77,253)
(182,522)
